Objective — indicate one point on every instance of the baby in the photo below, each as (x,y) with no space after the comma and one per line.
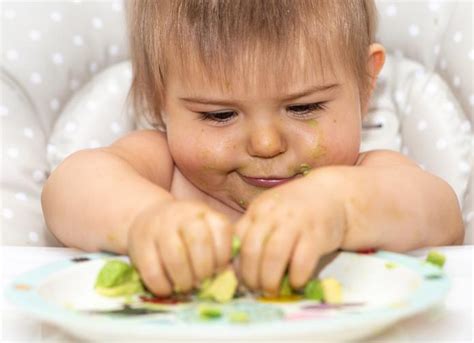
(260,105)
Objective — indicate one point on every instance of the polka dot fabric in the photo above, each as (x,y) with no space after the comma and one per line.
(439,35)
(24,169)
(96,115)
(49,50)
(55,98)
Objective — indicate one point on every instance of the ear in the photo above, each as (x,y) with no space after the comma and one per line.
(375,62)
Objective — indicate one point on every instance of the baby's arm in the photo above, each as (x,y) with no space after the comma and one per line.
(393,204)
(90,200)
(385,202)
(117,199)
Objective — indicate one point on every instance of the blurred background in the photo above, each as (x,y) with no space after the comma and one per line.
(65,76)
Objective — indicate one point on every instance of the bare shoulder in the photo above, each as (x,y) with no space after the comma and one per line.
(382,158)
(147,151)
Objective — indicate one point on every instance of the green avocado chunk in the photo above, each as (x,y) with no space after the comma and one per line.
(436,258)
(235,246)
(285,287)
(118,278)
(314,290)
(221,288)
(209,312)
(239,317)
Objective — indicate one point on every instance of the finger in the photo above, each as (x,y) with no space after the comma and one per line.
(221,231)
(242,226)
(251,251)
(248,219)
(200,246)
(276,255)
(147,260)
(307,253)
(175,260)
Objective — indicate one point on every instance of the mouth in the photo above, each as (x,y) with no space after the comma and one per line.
(266,182)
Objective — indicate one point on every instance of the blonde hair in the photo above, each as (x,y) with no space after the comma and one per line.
(247,40)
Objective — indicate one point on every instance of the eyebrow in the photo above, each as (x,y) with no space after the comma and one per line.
(299,94)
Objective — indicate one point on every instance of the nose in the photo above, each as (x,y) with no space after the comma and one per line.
(266,141)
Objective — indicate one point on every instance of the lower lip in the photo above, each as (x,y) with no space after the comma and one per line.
(265,183)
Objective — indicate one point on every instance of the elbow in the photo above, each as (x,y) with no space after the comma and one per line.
(54,197)
(458,233)
(454,224)
(48,208)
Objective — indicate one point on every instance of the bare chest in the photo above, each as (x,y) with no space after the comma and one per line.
(183,189)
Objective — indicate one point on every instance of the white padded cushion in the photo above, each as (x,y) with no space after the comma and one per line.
(418,109)
(438,34)
(52,48)
(24,168)
(96,116)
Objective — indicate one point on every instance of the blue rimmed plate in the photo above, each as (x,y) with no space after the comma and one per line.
(378,290)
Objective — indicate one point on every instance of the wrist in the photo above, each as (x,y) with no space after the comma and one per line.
(352,192)
(137,214)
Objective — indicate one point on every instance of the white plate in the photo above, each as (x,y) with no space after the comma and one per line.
(378,290)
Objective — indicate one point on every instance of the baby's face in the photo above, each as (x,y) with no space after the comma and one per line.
(234,145)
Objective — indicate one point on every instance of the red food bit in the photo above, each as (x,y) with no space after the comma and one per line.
(163,300)
(367,251)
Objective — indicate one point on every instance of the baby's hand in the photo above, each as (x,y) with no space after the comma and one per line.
(289,226)
(178,244)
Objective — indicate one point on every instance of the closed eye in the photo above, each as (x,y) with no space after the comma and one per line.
(305,109)
(220,117)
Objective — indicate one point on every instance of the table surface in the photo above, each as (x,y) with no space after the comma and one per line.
(451,321)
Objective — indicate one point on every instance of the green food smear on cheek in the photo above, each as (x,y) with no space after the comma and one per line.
(304,169)
(312,123)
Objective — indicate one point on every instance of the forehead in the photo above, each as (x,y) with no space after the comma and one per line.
(254,78)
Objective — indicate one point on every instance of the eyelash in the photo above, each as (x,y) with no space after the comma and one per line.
(303,111)
(308,108)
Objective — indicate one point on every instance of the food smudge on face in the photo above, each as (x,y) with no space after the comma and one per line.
(319,151)
(304,169)
(312,123)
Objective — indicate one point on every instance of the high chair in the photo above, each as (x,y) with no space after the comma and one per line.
(65,75)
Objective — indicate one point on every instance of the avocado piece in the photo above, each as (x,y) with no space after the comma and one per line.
(235,246)
(239,317)
(128,288)
(285,287)
(113,273)
(332,291)
(209,312)
(314,290)
(436,258)
(117,278)
(221,288)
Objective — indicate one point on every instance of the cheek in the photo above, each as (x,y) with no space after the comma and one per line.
(333,140)
(344,142)
(200,155)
